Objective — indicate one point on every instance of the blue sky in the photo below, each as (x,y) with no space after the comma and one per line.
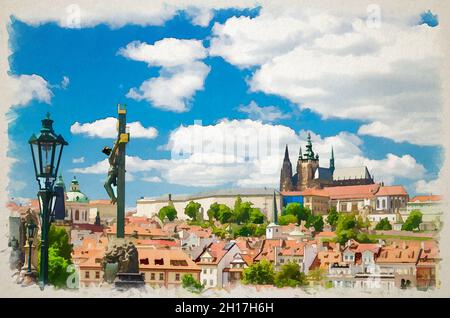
(99,77)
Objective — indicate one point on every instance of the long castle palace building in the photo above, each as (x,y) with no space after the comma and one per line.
(310,175)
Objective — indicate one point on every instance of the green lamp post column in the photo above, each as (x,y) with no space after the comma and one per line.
(46,150)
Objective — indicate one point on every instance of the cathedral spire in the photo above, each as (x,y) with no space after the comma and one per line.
(286,154)
(300,155)
(309,151)
(332,160)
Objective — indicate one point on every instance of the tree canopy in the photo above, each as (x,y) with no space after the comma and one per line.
(192,210)
(413,221)
(261,273)
(59,256)
(383,225)
(168,211)
(290,275)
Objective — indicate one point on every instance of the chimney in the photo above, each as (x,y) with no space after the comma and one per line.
(422,245)
(170,197)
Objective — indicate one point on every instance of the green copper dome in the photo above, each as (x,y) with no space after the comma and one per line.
(75,195)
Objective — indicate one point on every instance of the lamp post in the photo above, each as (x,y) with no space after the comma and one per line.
(30,234)
(46,150)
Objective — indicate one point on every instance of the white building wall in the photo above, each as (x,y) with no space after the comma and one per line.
(149,207)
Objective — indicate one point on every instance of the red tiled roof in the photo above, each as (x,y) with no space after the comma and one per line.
(353,192)
(391,190)
(426,198)
(217,251)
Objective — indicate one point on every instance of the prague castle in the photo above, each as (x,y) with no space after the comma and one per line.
(310,175)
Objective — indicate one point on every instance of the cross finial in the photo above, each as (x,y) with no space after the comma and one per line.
(47,115)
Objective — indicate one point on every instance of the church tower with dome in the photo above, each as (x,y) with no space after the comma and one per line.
(77,204)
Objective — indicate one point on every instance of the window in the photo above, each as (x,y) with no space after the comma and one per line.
(77,215)
(343,207)
(86,274)
(97,275)
(177,277)
(211,271)
(161,276)
(211,282)
(205,282)
(378,204)
(383,204)
(152,276)
(204,271)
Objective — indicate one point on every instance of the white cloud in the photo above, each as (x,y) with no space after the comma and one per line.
(24,88)
(181,76)
(154,179)
(168,52)
(78,160)
(65,82)
(429,187)
(265,113)
(114,13)
(337,66)
(106,128)
(249,154)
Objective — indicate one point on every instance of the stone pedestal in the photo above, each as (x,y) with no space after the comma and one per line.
(129,280)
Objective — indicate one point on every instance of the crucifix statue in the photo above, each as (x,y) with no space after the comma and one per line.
(116,171)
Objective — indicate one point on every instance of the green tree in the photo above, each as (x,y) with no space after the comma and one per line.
(413,221)
(261,273)
(243,213)
(192,210)
(237,209)
(383,225)
(168,211)
(260,230)
(256,216)
(363,238)
(190,283)
(346,228)
(362,224)
(316,222)
(290,275)
(298,210)
(287,219)
(225,214)
(219,232)
(317,275)
(246,230)
(213,211)
(332,217)
(59,256)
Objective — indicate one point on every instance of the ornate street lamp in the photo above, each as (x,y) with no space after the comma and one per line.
(46,150)
(31,227)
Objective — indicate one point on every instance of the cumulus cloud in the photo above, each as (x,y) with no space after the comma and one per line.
(24,88)
(264,113)
(182,72)
(339,67)
(429,187)
(106,128)
(249,153)
(78,160)
(116,14)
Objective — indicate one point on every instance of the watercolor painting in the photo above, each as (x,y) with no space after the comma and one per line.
(215,148)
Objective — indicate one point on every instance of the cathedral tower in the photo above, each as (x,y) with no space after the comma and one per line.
(306,167)
(286,173)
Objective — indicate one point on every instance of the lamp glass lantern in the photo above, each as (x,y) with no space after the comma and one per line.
(31,228)
(46,150)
